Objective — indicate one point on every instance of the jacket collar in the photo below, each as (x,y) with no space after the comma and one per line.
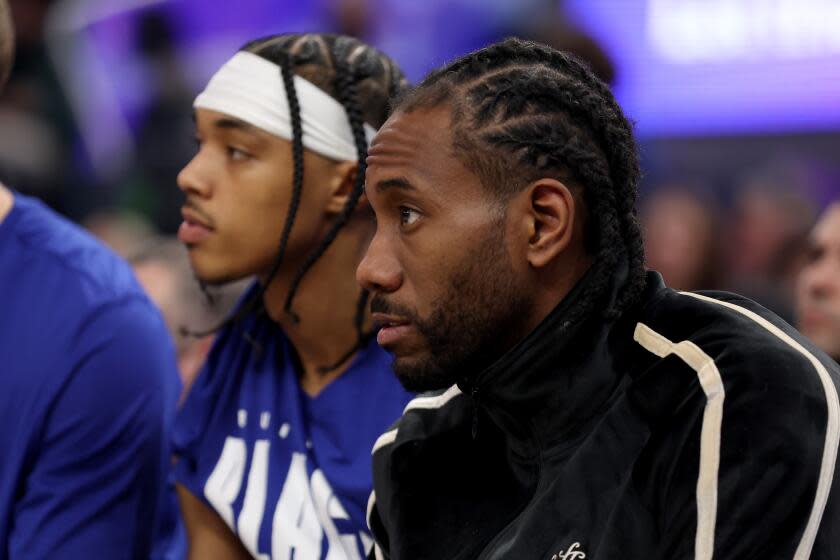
(554,382)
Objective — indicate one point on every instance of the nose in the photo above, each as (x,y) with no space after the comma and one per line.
(193,178)
(379,271)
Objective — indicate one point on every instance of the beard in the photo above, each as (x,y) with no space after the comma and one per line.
(481,314)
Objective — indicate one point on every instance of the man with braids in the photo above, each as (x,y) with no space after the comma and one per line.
(273,441)
(581,408)
(89,390)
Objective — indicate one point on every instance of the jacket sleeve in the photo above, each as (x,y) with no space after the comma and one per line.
(748,478)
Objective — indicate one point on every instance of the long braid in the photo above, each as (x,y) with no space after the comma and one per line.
(556,117)
(346,88)
(297,162)
(255,301)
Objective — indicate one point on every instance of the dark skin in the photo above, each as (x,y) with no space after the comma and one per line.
(433,216)
(207,534)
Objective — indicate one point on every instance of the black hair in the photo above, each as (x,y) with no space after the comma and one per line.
(521,111)
(363,80)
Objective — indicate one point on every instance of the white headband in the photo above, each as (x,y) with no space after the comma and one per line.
(250,88)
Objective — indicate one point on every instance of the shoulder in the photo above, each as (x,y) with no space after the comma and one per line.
(726,366)
(64,287)
(56,253)
(719,356)
(735,336)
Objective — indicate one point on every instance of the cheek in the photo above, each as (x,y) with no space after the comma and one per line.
(252,227)
(426,274)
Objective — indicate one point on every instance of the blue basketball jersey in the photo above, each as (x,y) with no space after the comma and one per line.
(290,474)
(89,390)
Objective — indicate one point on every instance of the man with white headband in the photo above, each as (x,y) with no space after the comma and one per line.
(273,441)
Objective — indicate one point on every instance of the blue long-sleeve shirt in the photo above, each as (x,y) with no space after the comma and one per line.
(88,386)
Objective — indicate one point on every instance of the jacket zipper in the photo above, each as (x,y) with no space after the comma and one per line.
(490,546)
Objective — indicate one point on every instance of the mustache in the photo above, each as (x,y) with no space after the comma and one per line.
(203,216)
(378,304)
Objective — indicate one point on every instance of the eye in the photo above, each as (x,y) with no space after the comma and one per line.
(813,254)
(408,216)
(236,154)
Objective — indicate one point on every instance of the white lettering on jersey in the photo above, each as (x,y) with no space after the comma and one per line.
(367,542)
(295,526)
(222,486)
(250,518)
(329,508)
(304,515)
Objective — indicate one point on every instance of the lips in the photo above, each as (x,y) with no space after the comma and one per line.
(195,228)
(391,328)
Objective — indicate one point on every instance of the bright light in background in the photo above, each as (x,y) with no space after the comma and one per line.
(711,67)
(694,31)
(684,67)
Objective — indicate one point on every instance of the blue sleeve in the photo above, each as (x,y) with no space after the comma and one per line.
(98,481)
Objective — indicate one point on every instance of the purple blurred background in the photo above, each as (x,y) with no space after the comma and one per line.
(736,105)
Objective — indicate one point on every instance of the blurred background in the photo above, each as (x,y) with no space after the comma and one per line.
(736,105)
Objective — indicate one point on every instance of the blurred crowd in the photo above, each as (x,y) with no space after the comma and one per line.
(747,231)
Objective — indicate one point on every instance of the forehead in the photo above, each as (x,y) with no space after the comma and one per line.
(418,146)
(827,230)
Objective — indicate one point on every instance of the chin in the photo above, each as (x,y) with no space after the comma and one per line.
(211,273)
(421,375)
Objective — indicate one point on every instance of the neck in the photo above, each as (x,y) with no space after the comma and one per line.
(325,302)
(6,202)
(555,285)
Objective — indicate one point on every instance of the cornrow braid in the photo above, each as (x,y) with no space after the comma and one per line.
(547,110)
(346,88)
(297,161)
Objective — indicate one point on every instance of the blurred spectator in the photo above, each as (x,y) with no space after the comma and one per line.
(818,288)
(681,238)
(164,271)
(165,136)
(36,147)
(771,209)
(770,219)
(351,17)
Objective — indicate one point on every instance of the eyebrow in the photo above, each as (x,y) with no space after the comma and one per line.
(395,183)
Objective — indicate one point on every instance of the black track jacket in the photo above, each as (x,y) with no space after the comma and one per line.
(696,426)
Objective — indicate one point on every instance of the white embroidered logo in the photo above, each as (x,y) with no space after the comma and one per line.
(573,553)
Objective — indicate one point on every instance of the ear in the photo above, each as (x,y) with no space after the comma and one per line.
(341,186)
(550,220)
